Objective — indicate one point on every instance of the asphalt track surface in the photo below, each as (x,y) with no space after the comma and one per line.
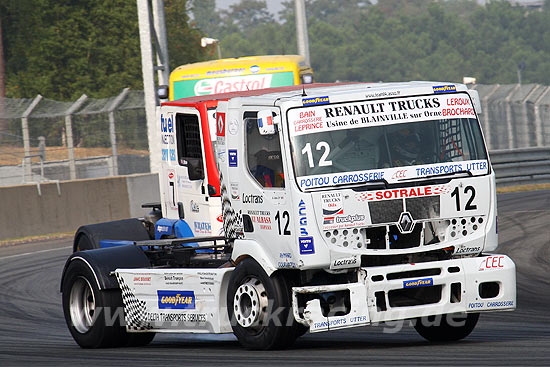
(33,330)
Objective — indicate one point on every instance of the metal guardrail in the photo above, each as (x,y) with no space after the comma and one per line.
(521,166)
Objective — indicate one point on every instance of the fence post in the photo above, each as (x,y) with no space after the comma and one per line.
(538,118)
(525,123)
(508,109)
(486,125)
(26,139)
(162,50)
(69,132)
(147,68)
(112,131)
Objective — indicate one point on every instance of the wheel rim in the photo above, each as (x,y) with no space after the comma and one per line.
(82,305)
(250,304)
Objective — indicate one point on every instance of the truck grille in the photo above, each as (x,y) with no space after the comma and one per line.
(414,296)
(384,237)
(388,211)
(389,236)
(423,208)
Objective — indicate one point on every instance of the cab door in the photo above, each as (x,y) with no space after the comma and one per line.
(184,175)
(262,188)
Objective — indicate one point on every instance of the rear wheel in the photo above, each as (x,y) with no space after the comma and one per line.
(446,328)
(84,243)
(139,339)
(95,317)
(259,308)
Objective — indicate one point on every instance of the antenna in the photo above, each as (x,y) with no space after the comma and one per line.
(304,91)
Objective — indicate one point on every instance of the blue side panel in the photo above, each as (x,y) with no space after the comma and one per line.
(177,228)
(183,230)
(113,243)
(164,227)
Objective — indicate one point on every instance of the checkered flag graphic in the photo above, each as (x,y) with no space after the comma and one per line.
(134,309)
(232,221)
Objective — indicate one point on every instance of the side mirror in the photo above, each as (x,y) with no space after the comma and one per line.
(307,78)
(162,91)
(211,190)
(194,168)
(267,122)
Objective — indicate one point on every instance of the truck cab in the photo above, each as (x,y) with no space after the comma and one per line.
(189,174)
(389,181)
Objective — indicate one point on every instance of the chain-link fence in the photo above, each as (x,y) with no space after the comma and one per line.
(42,139)
(515,116)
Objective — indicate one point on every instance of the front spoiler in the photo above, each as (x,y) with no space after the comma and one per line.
(456,286)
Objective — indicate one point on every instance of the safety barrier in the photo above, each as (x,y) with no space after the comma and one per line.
(49,207)
(521,166)
(53,207)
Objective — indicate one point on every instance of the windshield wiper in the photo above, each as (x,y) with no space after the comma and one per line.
(367,185)
(438,176)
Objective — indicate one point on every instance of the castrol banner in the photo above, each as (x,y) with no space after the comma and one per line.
(323,116)
(237,83)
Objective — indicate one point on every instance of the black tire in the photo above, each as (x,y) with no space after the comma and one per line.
(139,339)
(251,310)
(85,308)
(88,237)
(83,242)
(299,329)
(446,328)
(95,318)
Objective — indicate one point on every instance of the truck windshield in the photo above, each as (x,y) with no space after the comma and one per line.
(378,147)
(385,140)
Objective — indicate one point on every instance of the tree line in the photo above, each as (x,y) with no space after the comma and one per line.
(396,40)
(64,48)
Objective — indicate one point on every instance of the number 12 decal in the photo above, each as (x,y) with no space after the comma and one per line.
(286,216)
(323,161)
(469,204)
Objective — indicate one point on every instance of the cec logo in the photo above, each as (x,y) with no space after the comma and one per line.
(402,173)
(491,262)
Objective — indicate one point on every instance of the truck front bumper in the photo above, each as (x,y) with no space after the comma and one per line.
(399,292)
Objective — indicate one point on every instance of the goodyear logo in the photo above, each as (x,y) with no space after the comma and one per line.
(314,101)
(418,282)
(444,88)
(179,300)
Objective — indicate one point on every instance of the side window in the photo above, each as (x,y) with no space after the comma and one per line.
(189,145)
(263,154)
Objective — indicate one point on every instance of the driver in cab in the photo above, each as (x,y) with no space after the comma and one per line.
(402,148)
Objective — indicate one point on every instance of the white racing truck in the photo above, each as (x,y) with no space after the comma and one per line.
(342,206)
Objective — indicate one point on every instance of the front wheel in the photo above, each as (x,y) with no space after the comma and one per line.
(259,307)
(446,328)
